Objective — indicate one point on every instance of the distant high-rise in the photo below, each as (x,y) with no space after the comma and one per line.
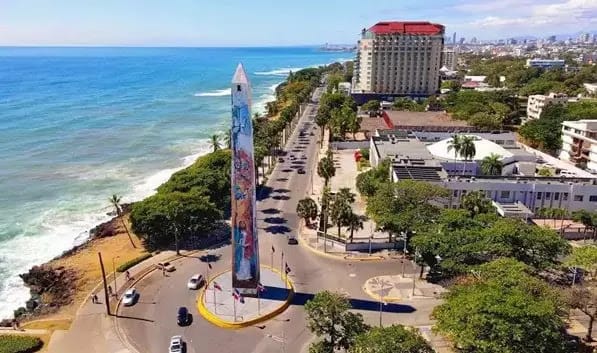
(450,58)
(398,59)
(551,39)
(454,38)
(461,41)
(474,40)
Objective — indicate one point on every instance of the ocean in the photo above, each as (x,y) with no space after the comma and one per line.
(80,124)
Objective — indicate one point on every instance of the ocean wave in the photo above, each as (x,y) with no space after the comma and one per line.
(278,72)
(216,93)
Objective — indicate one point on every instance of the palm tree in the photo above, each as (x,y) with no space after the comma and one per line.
(354,221)
(227,139)
(354,124)
(476,203)
(467,150)
(307,209)
(340,211)
(492,165)
(455,144)
(326,169)
(585,217)
(322,119)
(115,201)
(215,142)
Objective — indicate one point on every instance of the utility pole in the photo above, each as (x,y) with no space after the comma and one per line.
(107,298)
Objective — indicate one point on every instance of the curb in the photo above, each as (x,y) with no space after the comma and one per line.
(237,325)
(365,258)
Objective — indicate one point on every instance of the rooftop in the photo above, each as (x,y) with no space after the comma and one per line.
(483,148)
(423,121)
(414,27)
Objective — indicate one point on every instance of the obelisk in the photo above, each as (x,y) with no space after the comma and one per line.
(245,246)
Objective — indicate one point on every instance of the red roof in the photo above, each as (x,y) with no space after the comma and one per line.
(425,28)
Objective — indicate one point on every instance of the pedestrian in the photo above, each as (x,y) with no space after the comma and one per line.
(127,274)
(110,293)
(95,299)
(164,272)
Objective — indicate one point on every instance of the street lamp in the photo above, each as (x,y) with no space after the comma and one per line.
(114,273)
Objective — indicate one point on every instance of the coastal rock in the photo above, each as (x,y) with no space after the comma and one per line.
(103,230)
(51,287)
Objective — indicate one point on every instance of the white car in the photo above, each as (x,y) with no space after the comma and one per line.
(168,267)
(195,282)
(176,344)
(130,297)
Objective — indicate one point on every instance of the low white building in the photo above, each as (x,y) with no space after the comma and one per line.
(591,87)
(537,102)
(579,143)
(517,191)
(344,88)
(546,64)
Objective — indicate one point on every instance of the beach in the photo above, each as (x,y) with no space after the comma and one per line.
(86,123)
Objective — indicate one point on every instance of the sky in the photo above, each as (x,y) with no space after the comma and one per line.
(274,22)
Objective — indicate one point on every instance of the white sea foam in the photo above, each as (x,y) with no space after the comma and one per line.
(216,93)
(278,72)
(65,225)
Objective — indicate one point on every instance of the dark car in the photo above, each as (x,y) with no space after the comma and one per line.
(183,316)
(301,171)
(280,160)
(292,240)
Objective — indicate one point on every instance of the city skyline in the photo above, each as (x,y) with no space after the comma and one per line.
(261,23)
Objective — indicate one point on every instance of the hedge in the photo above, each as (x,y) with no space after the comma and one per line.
(19,344)
(125,266)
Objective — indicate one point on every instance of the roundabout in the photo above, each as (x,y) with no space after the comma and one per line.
(226,307)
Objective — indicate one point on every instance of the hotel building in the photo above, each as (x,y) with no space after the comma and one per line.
(450,58)
(579,143)
(537,102)
(398,59)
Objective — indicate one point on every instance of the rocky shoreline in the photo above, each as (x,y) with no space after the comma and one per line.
(52,287)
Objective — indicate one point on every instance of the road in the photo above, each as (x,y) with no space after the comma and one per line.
(152,321)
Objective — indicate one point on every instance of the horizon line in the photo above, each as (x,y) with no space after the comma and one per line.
(166,46)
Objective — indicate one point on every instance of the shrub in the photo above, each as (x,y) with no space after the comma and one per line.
(125,266)
(19,344)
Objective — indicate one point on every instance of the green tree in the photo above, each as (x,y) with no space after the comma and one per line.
(215,142)
(329,318)
(368,182)
(467,149)
(494,313)
(492,164)
(353,222)
(227,139)
(322,119)
(584,298)
(391,339)
(455,144)
(371,106)
(586,218)
(545,172)
(341,210)
(326,169)
(344,120)
(115,202)
(475,202)
(307,209)
(584,257)
(405,206)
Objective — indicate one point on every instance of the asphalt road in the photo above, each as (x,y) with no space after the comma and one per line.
(152,321)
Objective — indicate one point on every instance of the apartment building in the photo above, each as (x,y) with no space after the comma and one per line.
(450,58)
(398,59)
(579,143)
(537,102)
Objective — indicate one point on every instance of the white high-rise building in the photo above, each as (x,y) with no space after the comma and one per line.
(579,142)
(399,59)
(537,102)
(450,58)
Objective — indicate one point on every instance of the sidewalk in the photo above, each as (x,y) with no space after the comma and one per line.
(92,329)
(396,288)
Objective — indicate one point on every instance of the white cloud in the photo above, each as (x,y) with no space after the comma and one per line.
(492,6)
(580,13)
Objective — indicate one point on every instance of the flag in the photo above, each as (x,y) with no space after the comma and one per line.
(209,265)
(287,269)
(217,286)
(260,287)
(273,249)
(236,294)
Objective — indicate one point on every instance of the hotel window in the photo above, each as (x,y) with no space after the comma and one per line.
(539,194)
(505,194)
(565,196)
(556,196)
(578,198)
(547,195)
(593,198)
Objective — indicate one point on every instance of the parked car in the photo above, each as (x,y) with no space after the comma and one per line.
(176,345)
(195,282)
(301,171)
(182,318)
(280,160)
(292,240)
(168,267)
(130,297)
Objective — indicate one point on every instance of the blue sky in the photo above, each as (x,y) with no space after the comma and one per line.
(273,22)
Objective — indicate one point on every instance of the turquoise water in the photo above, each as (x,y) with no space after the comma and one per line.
(80,124)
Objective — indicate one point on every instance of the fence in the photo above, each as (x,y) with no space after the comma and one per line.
(349,145)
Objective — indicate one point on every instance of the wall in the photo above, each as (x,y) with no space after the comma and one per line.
(349,145)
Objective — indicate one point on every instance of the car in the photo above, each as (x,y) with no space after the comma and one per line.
(176,344)
(303,157)
(292,240)
(280,160)
(301,171)
(182,318)
(165,266)
(312,134)
(195,282)
(130,297)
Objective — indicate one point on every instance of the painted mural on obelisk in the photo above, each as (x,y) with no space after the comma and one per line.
(245,262)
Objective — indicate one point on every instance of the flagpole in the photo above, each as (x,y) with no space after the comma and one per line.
(215,307)
(258,302)
(234,308)
(282,265)
(272,257)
